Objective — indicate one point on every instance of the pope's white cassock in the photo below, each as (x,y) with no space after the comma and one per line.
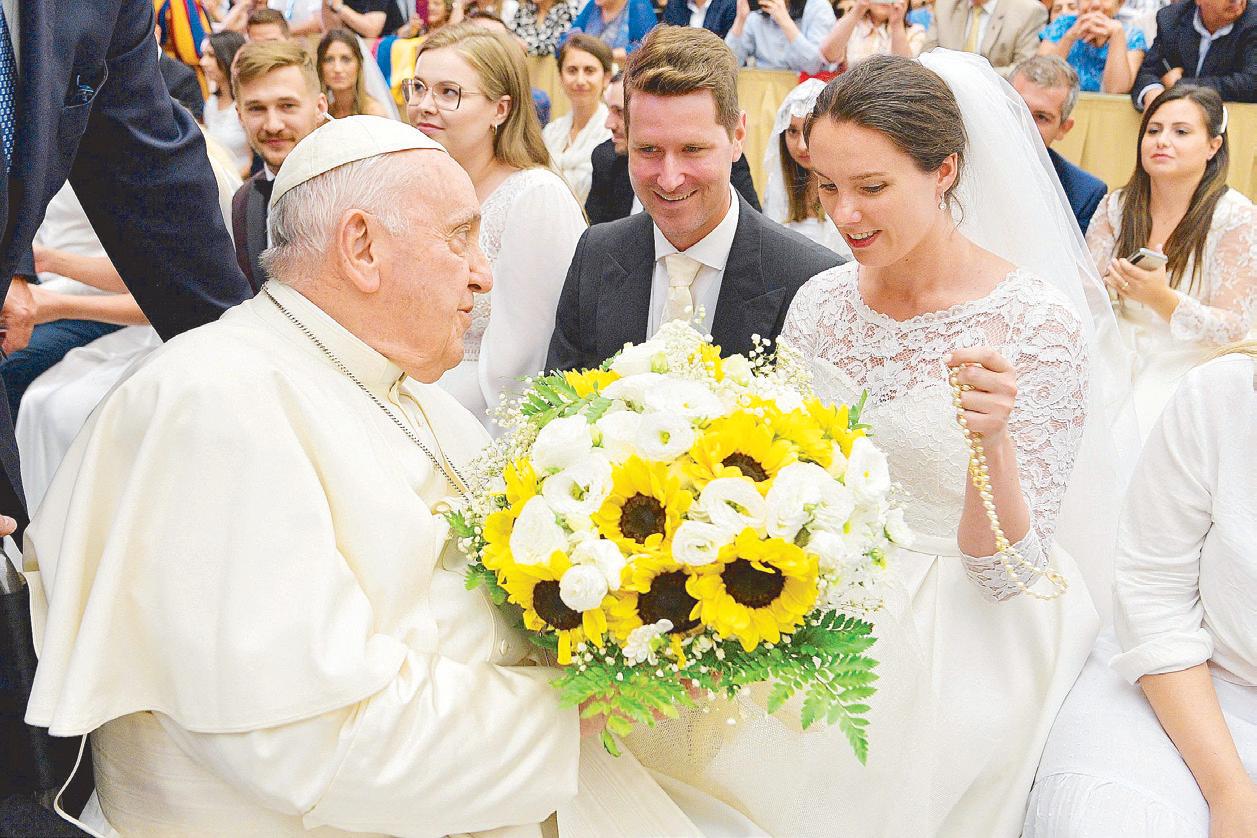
(242,585)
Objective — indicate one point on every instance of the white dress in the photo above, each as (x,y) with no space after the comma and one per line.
(1214,312)
(971,673)
(572,159)
(529,228)
(1186,576)
(224,126)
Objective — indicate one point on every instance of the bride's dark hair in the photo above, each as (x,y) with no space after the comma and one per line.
(907,103)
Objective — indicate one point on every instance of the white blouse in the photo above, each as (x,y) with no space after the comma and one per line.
(572,159)
(1186,578)
(224,126)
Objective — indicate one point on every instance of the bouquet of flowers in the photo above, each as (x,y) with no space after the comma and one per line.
(676,523)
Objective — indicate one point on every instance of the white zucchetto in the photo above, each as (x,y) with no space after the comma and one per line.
(342,141)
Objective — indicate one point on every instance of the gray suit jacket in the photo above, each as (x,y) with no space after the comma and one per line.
(606,297)
(1012,34)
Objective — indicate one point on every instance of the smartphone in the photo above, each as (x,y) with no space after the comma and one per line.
(754,4)
(1148,259)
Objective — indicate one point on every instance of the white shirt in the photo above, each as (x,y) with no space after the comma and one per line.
(224,125)
(988,9)
(297,12)
(1186,571)
(65,227)
(698,13)
(1207,38)
(712,251)
(13,19)
(573,158)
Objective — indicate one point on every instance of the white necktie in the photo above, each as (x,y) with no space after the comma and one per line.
(681,272)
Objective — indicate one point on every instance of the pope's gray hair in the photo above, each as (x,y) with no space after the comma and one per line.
(303,220)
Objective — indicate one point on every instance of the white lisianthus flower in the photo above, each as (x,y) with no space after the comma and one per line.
(640,645)
(897,528)
(692,400)
(632,389)
(662,437)
(582,587)
(788,401)
(619,434)
(829,549)
(733,504)
(561,443)
(867,472)
(604,555)
(537,535)
(578,490)
(640,358)
(737,369)
(803,492)
(838,466)
(698,543)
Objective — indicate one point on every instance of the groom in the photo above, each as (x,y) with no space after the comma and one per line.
(249,594)
(698,245)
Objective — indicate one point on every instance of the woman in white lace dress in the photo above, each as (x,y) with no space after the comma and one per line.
(470,93)
(1177,201)
(973,664)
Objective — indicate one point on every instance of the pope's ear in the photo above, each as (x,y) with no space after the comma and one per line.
(356,250)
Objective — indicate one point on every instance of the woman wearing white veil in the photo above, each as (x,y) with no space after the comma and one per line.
(791,198)
(977,651)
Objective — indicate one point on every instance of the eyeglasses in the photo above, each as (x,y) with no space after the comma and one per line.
(446,95)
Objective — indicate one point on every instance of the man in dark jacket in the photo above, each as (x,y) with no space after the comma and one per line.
(1212,43)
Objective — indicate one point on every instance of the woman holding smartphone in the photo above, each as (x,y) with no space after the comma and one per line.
(1197,290)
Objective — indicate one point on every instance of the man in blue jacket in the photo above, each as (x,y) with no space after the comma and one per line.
(82,97)
(714,15)
(1049,87)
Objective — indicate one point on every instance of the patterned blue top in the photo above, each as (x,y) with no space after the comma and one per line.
(1087,60)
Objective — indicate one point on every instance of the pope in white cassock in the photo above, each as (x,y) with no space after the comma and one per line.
(242,584)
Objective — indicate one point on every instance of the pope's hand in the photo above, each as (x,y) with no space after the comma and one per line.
(989,389)
(7,526)
(592,726)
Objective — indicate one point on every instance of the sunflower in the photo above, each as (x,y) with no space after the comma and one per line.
(741,445)
(657,589)
(834,422)
(535,588)
(521,486)
(801,430)
(756,589)
(644,508)
(589,381)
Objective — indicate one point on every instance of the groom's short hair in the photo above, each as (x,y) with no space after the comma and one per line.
(678,60)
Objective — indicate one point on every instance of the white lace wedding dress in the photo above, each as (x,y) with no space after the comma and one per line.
(529,228)
(972,671)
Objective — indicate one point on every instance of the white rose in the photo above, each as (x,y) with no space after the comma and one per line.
(640,358)
(633,388)
(619,433)
(662,437)
(579,490)
(604,555)
(867,473)
(804,492)
(562,443)
(897,528)
(582,587)
(737,369)
(733,504)
(690,399)
(537,534)
(698,543)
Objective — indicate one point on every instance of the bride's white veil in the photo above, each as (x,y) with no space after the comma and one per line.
(1013,205)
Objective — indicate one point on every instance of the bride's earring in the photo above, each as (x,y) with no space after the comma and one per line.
(942,203)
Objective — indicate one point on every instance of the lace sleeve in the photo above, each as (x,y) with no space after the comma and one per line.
(1227,314)
(799,330)
(1048,352)
(1101,234)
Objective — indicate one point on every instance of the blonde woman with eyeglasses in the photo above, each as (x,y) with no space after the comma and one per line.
(470,93)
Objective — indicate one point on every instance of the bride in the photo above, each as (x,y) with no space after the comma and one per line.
(977,650)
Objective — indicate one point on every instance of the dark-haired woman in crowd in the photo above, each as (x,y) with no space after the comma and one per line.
(782,34)
(792,197)
(222,122)
(1177,202)
(340,64)
(585,71)
(470,93)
